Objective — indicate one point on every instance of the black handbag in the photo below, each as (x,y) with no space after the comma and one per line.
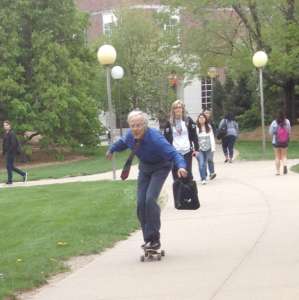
(185,194)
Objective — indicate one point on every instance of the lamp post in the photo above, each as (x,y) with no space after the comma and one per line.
(117,73)
(259,60)
(106,57)
(212,73)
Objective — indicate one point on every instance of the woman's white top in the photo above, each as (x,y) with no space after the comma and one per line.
(206,140)
(181,140)
(274,127)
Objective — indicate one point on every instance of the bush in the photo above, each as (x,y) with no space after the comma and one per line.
(249,120)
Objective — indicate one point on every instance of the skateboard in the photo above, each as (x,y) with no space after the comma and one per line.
(150,254)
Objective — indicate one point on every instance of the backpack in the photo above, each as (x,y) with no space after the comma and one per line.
(221,132)
(282,135)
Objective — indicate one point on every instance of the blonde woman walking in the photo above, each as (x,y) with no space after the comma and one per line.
(180,131)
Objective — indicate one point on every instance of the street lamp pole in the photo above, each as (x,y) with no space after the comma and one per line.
(117,73)
(107,56)
(259,60)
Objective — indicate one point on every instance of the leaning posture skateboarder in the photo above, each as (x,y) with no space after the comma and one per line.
(156,157)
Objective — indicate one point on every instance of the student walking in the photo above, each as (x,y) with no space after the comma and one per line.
(211,166)
(206,143)
(229,139)
(156,157)
(10,149)
(180,131)
(280,130)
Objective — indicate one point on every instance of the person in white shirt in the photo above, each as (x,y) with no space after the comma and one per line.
(180,131)
(207,146)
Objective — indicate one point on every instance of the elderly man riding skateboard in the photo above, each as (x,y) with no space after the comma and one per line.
(156,158)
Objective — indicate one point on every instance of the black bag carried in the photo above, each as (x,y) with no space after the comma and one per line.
(221,132)
(185,194)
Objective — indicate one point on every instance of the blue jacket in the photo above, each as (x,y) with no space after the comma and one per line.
(153,148)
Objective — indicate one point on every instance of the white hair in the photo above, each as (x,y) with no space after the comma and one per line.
(138,113)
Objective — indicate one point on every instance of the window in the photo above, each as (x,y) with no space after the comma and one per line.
(109,20)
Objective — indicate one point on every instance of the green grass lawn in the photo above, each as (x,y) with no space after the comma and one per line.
(94,164)
(41,227)
(252,150)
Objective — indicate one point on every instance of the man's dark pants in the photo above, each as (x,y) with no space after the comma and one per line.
(150,182)
(10,158)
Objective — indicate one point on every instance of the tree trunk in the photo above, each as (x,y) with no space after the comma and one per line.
(289,100)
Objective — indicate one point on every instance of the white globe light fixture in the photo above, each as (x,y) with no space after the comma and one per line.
(259,60)
(117,72)
(106,56)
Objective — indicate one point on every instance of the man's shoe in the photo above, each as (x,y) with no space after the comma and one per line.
(9,182)
(230,160)
(154,245)
(226,160)
(203,182)
(212,176)
(145,245)
(285,170)
(25,177)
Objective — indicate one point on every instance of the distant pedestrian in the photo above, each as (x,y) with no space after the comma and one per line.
(10,149)
(230,137)
(206,143)
(180,131)
(211,166)
(156,157)
(280,130)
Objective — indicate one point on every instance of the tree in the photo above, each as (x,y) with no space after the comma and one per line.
(227,33)
(53,73)
(148,54)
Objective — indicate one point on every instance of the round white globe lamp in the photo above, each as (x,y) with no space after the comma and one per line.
(117,72)
(260,59)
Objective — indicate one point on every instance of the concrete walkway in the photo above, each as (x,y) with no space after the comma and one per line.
(243,243)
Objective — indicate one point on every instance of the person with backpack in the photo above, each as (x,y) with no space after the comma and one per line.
(180,131)
(228,132)
(10,149)
(280,130)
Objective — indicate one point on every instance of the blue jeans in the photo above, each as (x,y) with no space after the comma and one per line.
(211,167)
(203,158)
(10,158)
(151,178)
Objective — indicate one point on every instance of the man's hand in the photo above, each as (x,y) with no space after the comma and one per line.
(109,155)
(182,173)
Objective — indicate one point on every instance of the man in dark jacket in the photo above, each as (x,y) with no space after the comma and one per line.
(10,149)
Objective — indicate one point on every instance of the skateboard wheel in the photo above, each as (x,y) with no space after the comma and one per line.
(163,253)
(142,258)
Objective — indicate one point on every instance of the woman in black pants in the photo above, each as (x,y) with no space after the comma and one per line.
(228,141)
